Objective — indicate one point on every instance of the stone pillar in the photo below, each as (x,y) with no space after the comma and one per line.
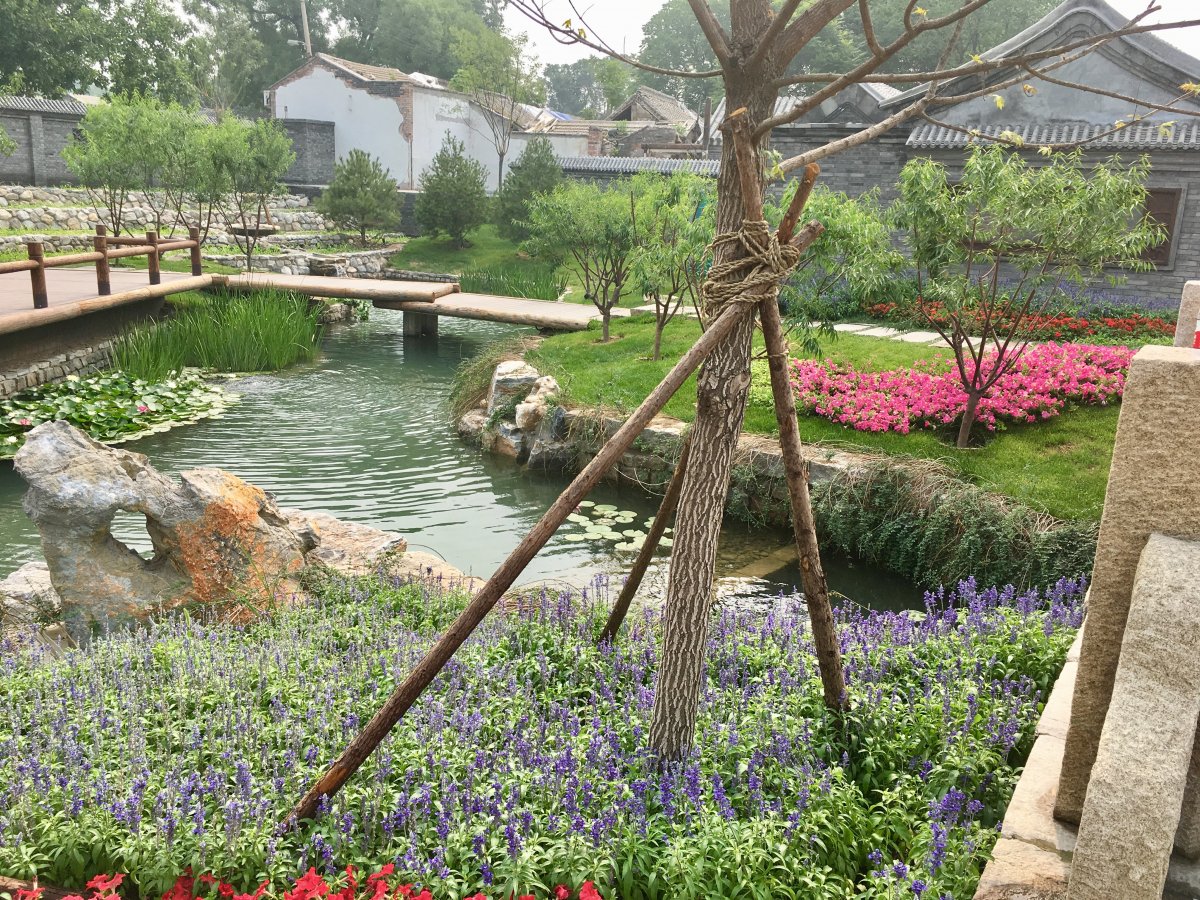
(1136,791)
(1189,312)
(1153,487)
(419,324)
(37,150)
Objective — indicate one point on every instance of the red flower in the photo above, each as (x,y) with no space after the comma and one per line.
(424,895)
(381,874)
(225,890)
(527,897)
(562,892)
(1196,342)
(30,893)
(588,892)
(102,884)
(258,893)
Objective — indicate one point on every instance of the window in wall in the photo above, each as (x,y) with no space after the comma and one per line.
(1162,206)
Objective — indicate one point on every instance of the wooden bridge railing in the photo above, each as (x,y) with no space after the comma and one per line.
(105,249)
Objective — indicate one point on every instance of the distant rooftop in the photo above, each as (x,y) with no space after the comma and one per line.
(1181,136)
(67,105)
(631,165)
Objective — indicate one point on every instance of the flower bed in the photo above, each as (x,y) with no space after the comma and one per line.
(111,407)
(525,765)
(1121,328)
(1046,378)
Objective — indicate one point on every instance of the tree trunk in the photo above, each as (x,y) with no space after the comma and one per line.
(721,393)
(605,317)
(658,333)
(500,171)
(968,419)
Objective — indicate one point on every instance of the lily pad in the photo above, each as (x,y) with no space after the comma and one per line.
(613,536)
(666,542)
(608,522)
(630,545)
(578,519)
(605,508)
(576,536)
(586,503)
(633,533)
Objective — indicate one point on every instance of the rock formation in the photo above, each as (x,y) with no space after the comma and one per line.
(214,538)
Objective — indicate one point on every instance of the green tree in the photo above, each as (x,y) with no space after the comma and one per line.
(361,196)
(989,26)
(44,51)
(7,145)
(193,183)
(100,156)
(594,228)
(672,233)
(453,199)
(998,248)
(251,157)
(499,77)
(589,87)
(535,172)
(412,35)
(145,50)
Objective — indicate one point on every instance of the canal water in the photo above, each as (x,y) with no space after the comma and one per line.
(364,433)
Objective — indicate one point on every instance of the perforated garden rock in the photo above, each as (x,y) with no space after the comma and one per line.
(214,536)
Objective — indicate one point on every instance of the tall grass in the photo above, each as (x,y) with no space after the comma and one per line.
(226,332)
(532,282)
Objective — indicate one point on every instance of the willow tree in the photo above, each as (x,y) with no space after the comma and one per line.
(754,56)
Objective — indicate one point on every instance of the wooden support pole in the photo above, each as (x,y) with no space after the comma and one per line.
(103,278)
(804,528)
(37,254)
(665,510)
(406,694)
(194,237)
(152,257)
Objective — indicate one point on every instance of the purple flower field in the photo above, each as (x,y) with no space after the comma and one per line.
(524,765)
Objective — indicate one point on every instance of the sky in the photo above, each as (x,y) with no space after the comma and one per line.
(620,23)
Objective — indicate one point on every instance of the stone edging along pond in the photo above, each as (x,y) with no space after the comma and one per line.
(909,516)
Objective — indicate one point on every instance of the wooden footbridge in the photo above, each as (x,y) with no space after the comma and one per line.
(423,302)
(60,293)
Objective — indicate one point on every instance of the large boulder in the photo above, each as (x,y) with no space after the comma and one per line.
(214,536)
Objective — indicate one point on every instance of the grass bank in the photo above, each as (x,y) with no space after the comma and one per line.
(494,264)
(225,332)
(1060,466)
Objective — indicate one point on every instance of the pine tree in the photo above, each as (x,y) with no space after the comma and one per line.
(453,199)
(362,195)
(536,172)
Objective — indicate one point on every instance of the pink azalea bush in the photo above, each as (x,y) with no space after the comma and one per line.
(930,395)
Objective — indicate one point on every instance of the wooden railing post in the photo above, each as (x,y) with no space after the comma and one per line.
(152,257)
(194,237)
(41,297)
(100,245)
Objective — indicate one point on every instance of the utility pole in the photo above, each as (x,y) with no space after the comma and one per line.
(304,22)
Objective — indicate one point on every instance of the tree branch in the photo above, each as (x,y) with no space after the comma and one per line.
(808,26)
(856,139)
(864,14)
(532,10)
(768,39)
(988,65)
(864,69)
(717,38)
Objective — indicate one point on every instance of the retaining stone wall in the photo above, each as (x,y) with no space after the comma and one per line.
(296,262)
(55,369)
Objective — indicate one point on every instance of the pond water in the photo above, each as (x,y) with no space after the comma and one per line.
(364,433)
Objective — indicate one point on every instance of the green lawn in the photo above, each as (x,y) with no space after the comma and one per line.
(1060,466)
(487,250)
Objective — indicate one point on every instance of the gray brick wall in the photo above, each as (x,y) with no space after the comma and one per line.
(56,132)
(17,168)
(313,143)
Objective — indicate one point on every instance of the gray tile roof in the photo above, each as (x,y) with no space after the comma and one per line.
(67,105)
(630,165)
(1181,136)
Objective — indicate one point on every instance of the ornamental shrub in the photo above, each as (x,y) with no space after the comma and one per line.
(1037,386)
(524,766)
(362,196)
(453,199)
(536,172)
